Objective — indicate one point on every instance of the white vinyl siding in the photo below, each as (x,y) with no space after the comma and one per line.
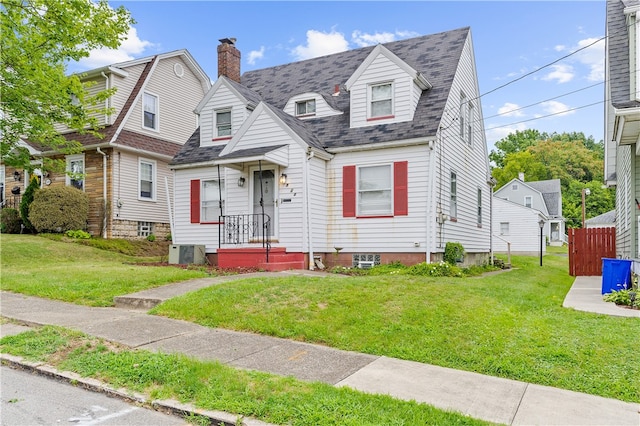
(404,93)
(470,162)
(321,107)
(178,98)
(224,99)
(515,224)
(380,234)
(147,179)
(126,188)
(624,239)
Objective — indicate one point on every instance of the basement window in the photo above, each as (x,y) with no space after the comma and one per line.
(145,229)
(365,261)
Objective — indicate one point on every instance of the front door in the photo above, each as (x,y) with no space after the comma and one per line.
(264,198)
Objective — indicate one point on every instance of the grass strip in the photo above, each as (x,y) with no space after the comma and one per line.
(214,386)
(509,325)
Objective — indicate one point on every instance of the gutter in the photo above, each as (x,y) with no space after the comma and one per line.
(307,209)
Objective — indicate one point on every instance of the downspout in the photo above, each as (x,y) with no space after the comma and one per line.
(430,209)
(492,183)
(104,191)
(307,209)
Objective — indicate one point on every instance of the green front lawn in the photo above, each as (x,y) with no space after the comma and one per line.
(509,325)
(76,273)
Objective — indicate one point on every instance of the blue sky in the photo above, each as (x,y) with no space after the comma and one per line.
(519,46)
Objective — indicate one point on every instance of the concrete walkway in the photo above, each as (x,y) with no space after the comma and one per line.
(484,397)
(586,295)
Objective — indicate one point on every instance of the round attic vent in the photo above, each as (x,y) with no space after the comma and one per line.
(177,68)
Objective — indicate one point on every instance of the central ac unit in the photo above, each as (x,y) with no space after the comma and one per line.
(187,254)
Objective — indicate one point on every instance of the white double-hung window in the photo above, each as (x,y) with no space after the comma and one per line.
(223,123)
(147,179)
(375,190)
(150,111)
(381,100)
(211,200)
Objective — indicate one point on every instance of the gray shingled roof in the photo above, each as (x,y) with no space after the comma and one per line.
(604,218)
(436,56)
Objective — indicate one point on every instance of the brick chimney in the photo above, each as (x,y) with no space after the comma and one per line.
(229,59)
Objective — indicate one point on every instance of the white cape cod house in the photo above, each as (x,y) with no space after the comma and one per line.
(362,157)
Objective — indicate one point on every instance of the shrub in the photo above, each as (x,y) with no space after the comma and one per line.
(453,253)
(151,238)
(440,269)
(623,298)
(25,202)
(78,234)
(10,222)
(59,209)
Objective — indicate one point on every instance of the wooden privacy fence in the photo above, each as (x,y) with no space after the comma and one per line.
(587,248)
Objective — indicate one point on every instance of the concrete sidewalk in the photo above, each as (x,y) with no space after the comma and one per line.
(483,397)
(586,295)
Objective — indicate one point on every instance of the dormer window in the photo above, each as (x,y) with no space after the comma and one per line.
(307,107)
(381,100)
(223,123)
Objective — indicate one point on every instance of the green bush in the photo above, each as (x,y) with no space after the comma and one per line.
(25,202)
(151,238)
(453,253)
(623,297)
(78,234)
(10,222)
(59,209)
(440,269)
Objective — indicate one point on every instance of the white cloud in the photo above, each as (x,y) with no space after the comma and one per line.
(255,55)
(561,73)
(131,47)
(556,108)
(365,39)
(320,44)
(510,110)
(495,133)
(592,57)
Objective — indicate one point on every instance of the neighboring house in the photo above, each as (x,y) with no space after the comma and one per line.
(362,157)
(622,120)
(544,196)
(126,173)
(605,220)
(516,228)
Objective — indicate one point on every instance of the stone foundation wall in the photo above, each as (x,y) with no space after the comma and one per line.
(128,229)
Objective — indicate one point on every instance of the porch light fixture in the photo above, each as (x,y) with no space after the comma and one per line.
(16,176)
(241,181)
(283,179)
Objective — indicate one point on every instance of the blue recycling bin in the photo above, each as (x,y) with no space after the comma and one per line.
(616,274)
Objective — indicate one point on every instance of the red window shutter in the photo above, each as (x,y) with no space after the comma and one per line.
(195,201)
(349,191)
(400,189)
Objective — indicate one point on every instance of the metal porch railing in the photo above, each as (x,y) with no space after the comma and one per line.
(244,229)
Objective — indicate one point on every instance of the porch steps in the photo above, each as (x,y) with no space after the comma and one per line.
(279,259)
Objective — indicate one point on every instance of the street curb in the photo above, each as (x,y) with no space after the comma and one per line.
(168,406)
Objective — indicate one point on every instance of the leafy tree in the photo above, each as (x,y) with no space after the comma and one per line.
(39,38)
(571,157)
(517,162)
(514,142)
